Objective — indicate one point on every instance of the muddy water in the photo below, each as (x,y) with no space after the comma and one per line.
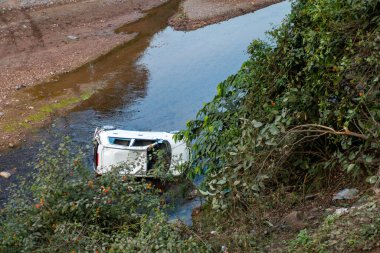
(158,81)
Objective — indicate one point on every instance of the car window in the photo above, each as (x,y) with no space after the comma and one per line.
(120,141)
(142,143)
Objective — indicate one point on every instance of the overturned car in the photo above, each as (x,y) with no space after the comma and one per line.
(137,153)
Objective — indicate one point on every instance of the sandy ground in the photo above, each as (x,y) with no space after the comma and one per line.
(38,43)
(40,39)
(198,13)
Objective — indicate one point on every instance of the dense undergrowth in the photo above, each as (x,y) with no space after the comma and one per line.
(301,114)
(300,108)
(63,207)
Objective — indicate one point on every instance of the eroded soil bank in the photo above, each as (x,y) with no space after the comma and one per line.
(194,14)
(42,40)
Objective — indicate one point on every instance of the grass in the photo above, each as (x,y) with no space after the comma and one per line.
(44,112)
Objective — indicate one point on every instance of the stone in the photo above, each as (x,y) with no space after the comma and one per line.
(20,86)
(346,194)
(315,209)
(5,174)
(294,220)
(72,37)
(11,145)
(341,211)
(1,114)
(311,196)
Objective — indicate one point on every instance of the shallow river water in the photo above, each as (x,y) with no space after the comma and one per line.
(158,81)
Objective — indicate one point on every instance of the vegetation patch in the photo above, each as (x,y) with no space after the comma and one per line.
(356,231)
(63,207)
(302,113)
(44,111)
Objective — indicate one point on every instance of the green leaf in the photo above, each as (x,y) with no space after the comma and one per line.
(350,167)
(372,179)
(257,124)
(221,181)
(205,193)
(368,159)
(274,130)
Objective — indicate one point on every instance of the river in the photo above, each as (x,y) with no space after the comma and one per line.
(158,81)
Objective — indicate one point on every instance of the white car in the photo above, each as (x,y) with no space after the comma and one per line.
(137,151)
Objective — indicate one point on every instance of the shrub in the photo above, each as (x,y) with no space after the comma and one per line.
(301,108)
(63,207)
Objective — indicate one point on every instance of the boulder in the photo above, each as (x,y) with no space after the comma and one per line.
(293,220)
(5,174)
(346,194)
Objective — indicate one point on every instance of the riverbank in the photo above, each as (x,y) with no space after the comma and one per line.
(42,41)
(194,14)
(46,39)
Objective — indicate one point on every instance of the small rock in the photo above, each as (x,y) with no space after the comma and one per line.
(11,145)
(213,232)
(5,174)
(346,194)
(311,196)
(72,37)
(223,248)
(1,114)
(20,86)
(315,209)
(293,220)
(30,107)
(341,211)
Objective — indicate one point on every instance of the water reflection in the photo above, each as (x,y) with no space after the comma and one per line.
(116,72)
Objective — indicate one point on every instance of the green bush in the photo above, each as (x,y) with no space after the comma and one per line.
(63,207)
(303,107)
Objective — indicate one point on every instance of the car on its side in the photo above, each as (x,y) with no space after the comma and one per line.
(137,152)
